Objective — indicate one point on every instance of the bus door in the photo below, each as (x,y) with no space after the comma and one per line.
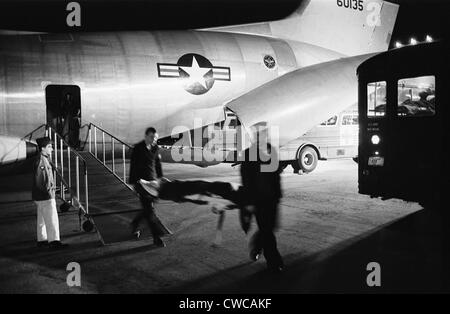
(348,135)
(373,143)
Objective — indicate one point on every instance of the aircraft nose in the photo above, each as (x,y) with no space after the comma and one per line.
(14,149)
(31,150)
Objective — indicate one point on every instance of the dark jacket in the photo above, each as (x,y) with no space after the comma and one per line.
(258,186)
(43,181)
(145,164)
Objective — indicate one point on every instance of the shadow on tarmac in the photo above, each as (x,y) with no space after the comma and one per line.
(410,251)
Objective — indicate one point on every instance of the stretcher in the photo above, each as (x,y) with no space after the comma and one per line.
(220,196)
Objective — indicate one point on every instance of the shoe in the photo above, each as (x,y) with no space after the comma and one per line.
(42,244)
(254,255)
(137,234)
(159,242)
(57,245)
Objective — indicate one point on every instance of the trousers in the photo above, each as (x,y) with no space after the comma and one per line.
(264,239)
(148,214)
(47,221)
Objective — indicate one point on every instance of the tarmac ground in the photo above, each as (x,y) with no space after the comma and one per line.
(328,235)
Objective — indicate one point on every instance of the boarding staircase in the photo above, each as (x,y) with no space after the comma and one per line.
(93,179)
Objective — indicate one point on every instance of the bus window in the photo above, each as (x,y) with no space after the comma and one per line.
(376,99)
(416,96)
(330,122)
(350,119)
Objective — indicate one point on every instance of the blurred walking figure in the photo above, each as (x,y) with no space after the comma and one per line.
(145,165)
(262,190)
(44,196)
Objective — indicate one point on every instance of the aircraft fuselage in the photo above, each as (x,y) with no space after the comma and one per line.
(131,80)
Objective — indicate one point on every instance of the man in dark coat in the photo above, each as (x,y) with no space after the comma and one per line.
(66,112)
(145,165)
(262,190)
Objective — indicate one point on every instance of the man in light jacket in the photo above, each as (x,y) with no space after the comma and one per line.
(43,194)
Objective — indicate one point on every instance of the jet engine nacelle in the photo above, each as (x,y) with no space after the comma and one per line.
(15,153)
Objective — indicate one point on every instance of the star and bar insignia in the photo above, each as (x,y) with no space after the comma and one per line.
(197,72)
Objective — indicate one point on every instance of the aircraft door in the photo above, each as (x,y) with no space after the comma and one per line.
(63,103)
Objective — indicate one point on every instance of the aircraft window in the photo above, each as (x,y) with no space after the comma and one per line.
(350,120)
(416,96)
(376,99)
(331,121)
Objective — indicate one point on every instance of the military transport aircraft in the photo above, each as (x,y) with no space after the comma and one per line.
(292,73)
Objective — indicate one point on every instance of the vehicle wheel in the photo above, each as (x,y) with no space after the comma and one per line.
(307,160)
(88,226)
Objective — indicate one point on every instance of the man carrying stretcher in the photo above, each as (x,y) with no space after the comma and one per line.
(258,196)
(145,167)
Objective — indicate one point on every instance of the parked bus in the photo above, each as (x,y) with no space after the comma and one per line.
(335,138)
(404,133)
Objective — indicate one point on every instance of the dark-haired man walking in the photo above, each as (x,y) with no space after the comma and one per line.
(146,165)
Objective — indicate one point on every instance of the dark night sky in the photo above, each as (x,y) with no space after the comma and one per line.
(416,17)
(421,17)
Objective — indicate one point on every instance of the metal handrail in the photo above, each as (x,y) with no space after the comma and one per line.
(93,148)
(109,134)
(66,179)
(30,135)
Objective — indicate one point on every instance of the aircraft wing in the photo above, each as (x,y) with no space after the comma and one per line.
(297,101)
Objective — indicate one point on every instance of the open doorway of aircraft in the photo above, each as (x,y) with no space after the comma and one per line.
(292,74)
